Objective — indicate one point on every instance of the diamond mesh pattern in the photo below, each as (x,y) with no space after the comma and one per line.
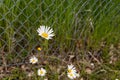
(19,20)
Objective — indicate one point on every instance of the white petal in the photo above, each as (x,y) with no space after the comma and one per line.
(51,35)
(77,75)
(47,29)
(50,31)
(40,31)
(39,72)
(70,66)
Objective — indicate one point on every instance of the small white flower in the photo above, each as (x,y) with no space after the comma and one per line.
(116,79)
(72,73)
(45,32)
(33,60)
(71,68)
(92,64)
(41,72)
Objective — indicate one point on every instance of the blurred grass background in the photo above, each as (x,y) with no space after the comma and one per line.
(79,25)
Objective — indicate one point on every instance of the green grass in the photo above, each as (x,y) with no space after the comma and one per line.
(80,26)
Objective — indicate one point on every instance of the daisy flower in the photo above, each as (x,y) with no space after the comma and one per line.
(45,32)
(41,72)
(71,72)
(33,60)
(71,69)
(71,75)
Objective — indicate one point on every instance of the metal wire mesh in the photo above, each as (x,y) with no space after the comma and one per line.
(19,20)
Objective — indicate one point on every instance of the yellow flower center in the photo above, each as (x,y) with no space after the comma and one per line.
(39,48)
(71,74)
(41,72)
(69,70)
(33,60)
(44,35)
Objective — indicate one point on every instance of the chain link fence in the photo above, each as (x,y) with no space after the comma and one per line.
(70,19)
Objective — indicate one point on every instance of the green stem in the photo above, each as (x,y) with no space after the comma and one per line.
(46,46)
